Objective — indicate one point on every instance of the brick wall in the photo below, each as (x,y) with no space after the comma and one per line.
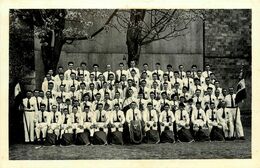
(228,46)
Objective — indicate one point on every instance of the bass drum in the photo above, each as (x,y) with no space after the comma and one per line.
(136,134)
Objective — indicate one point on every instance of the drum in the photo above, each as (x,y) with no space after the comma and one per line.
(217,134)
(136,135)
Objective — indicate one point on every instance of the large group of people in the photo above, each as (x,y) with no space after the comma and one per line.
(130,105)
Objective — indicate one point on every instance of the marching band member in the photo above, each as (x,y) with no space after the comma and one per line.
(150,119)
(207,71)
(169,72)
(235,113)
(215,128)
(95,72)
(199,121)
(66,134)
(182,73)
(67,73)
(166,120)
(101,125)
(55,126)
(83,71)
(46,82)
(120,72)
(147,71)
(41,124)
(89,120)
(225,120)
(108,72)
(117,120)
(132,67)
(194,71)
(183,124)
(158,71)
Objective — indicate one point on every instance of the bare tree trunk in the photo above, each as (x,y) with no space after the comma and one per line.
(133,35)
(51,55)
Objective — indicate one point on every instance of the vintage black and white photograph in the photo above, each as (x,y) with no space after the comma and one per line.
(120,84)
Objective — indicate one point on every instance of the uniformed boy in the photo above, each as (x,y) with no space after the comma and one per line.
(150,118)
(82,70)
(120,72)
(133,67)
(235,113)
(183,124)
(117,119)
(147,71)
(158,71)
(70,70)
(166,118)
(108,72)
(101,119)
(95,72)
(182,73)
(40,124)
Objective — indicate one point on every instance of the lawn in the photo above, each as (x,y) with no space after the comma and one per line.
(197,150)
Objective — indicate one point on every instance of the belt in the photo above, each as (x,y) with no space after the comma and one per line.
(29,110)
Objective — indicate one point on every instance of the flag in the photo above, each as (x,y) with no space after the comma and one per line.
(241,91)
(17,89)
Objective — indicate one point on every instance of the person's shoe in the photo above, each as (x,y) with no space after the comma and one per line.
(232,138)
(228,139)
(242,138)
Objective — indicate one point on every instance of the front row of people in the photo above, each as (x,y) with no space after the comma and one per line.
(103,126)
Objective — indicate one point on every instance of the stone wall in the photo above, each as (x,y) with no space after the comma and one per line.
(228,46)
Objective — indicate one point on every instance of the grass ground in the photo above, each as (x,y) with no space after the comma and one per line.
(197,150)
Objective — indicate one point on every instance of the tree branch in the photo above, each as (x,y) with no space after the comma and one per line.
(95,33)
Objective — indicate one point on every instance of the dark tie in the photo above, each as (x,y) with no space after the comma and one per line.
(181,118)
(157,75)
(188,83)
(197,99)
(150,115)
(73,83)
(117,117)
(181,74)
(193,74)
(167,116)
(133,114)
(97,105)
(212,115)
(191,111)
(100,116)
(208,73)
(232,101)
(61,82)
(28,104)
(95,76)
(42,116)
(58,107)
(120,75)
(198,116)
(92,95)
(61,96)
(37,103)
(66,119)
(48,105)
(54,117)
(209,98)
(224,113)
